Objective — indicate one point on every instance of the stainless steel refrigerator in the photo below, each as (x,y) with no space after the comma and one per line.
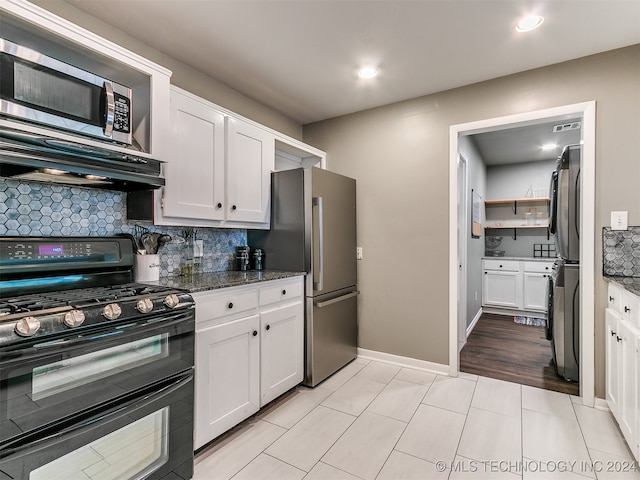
(563,312)
(313,229)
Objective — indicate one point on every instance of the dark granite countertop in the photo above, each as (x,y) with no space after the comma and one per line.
(632,284)
(210,281)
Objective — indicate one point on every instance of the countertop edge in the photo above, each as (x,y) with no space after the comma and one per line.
(630,284)
(203,282)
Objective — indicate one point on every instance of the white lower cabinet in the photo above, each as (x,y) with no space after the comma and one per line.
(516,285)
(249,351)
(623,367)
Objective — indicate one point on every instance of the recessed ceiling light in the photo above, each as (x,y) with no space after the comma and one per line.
(368,72)
(529,23)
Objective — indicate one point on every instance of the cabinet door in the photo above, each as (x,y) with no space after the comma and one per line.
(250,159)
(628,411)
(612,352)
(535,291)
(195,173)
(227,370)
(501,289)
(281,350)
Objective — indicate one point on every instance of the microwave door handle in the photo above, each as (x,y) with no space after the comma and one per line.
(110,109)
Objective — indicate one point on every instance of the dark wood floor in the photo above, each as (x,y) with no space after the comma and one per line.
(500,348)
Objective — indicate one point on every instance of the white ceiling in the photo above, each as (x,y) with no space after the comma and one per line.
(299,56)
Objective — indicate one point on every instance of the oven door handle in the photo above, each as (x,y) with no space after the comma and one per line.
(99,337)
(91,418)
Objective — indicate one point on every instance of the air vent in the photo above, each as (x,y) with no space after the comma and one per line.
(566,126)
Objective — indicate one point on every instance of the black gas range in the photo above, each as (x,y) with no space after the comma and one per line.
(86,355)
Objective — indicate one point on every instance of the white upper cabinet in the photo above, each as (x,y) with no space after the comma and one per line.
(219,173)
(250,159)
(195,174)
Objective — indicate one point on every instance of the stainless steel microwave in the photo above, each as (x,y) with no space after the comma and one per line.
(42,90)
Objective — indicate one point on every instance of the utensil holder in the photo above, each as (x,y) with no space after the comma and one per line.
(147,268)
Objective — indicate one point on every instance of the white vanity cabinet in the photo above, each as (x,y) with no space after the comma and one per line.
(219,169)
(249,350)
(622,347)
(515,286)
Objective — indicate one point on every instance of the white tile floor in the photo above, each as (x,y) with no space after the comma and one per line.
(373,420)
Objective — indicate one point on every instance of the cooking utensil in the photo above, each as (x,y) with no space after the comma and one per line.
(162,240)
(154,242)
(145,238)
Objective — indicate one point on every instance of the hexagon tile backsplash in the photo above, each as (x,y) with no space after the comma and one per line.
(621,252)
(41,209)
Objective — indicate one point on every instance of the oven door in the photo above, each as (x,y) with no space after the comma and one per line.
(148,434)
(41,383)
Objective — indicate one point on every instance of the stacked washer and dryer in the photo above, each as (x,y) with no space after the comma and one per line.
(563,324)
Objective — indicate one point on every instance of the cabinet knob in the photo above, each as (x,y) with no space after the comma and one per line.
(546,268)
(230,305)
(610,298)
(626,309)
(284,292)
(500,266)
(618,339)
(254,333)
(268,327)
(233,207)
(613,333)
(219,205)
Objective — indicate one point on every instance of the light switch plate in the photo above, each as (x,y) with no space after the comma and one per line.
(619,220)
(358,253)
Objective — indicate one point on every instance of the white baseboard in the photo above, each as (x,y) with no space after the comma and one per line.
(601,404)
(472,325)
(407,362)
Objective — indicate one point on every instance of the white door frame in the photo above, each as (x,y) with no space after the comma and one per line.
(587,111)
(463,207)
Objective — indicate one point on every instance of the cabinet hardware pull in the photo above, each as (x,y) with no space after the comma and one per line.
(268,327)
(230,305)
(610,298)
(233,207)
(613,333)
(626,309)
(284,292)
(618,339)
(255,333)
(219,205)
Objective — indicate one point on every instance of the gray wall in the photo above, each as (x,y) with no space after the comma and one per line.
(399,156)
(513,181)
(184,76)
(476,181)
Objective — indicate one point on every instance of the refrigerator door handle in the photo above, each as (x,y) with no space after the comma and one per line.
(336,300)
(318,285)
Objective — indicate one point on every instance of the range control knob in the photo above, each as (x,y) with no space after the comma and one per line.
(145,305)
(172,300)
(74,318)
(111,311)
(27,326)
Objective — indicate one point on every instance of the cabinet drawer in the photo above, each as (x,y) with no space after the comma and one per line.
(614,297)
(507,265)
(281,291)
(211,306)
(538,267)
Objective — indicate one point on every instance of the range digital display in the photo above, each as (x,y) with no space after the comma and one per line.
(50,249)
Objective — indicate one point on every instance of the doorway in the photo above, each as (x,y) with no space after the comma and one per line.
(586,111)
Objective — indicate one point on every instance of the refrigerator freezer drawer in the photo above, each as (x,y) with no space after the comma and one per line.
(331,334)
